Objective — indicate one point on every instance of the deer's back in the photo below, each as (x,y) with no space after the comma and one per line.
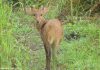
(52,31)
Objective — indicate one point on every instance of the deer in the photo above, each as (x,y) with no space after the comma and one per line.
(51,33)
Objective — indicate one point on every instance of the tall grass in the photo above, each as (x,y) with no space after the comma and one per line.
(17,34)
(5,35)
(12,54)
(81,53)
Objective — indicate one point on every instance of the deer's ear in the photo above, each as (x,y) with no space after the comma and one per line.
(30,10)
(43,10)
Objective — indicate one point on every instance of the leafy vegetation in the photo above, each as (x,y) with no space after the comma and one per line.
(12,53)
(21,46)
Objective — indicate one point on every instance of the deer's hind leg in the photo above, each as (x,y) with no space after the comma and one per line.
(48,56)
(54,57)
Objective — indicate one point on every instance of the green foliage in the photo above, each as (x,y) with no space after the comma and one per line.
(57,7)
(21,46)
(24,29)
(5,35)
(12,53)
(82,53)
(84,28)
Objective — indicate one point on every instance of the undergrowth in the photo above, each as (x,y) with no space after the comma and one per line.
(21,46)
(12,53)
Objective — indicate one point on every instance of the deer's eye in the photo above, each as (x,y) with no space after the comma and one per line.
(40,14)
(34,14)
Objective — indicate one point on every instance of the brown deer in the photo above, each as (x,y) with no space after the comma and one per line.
(51,33)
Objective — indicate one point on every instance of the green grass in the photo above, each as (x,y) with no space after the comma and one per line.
(74,54)
(21,45)
(12,53)
(82,53)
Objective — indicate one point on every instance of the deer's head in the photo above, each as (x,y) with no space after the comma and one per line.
(38,14)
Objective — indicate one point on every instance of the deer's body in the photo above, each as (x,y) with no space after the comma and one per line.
(51,33)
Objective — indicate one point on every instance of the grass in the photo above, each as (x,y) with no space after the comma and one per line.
(12,53)
(81,53)
(22,48)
